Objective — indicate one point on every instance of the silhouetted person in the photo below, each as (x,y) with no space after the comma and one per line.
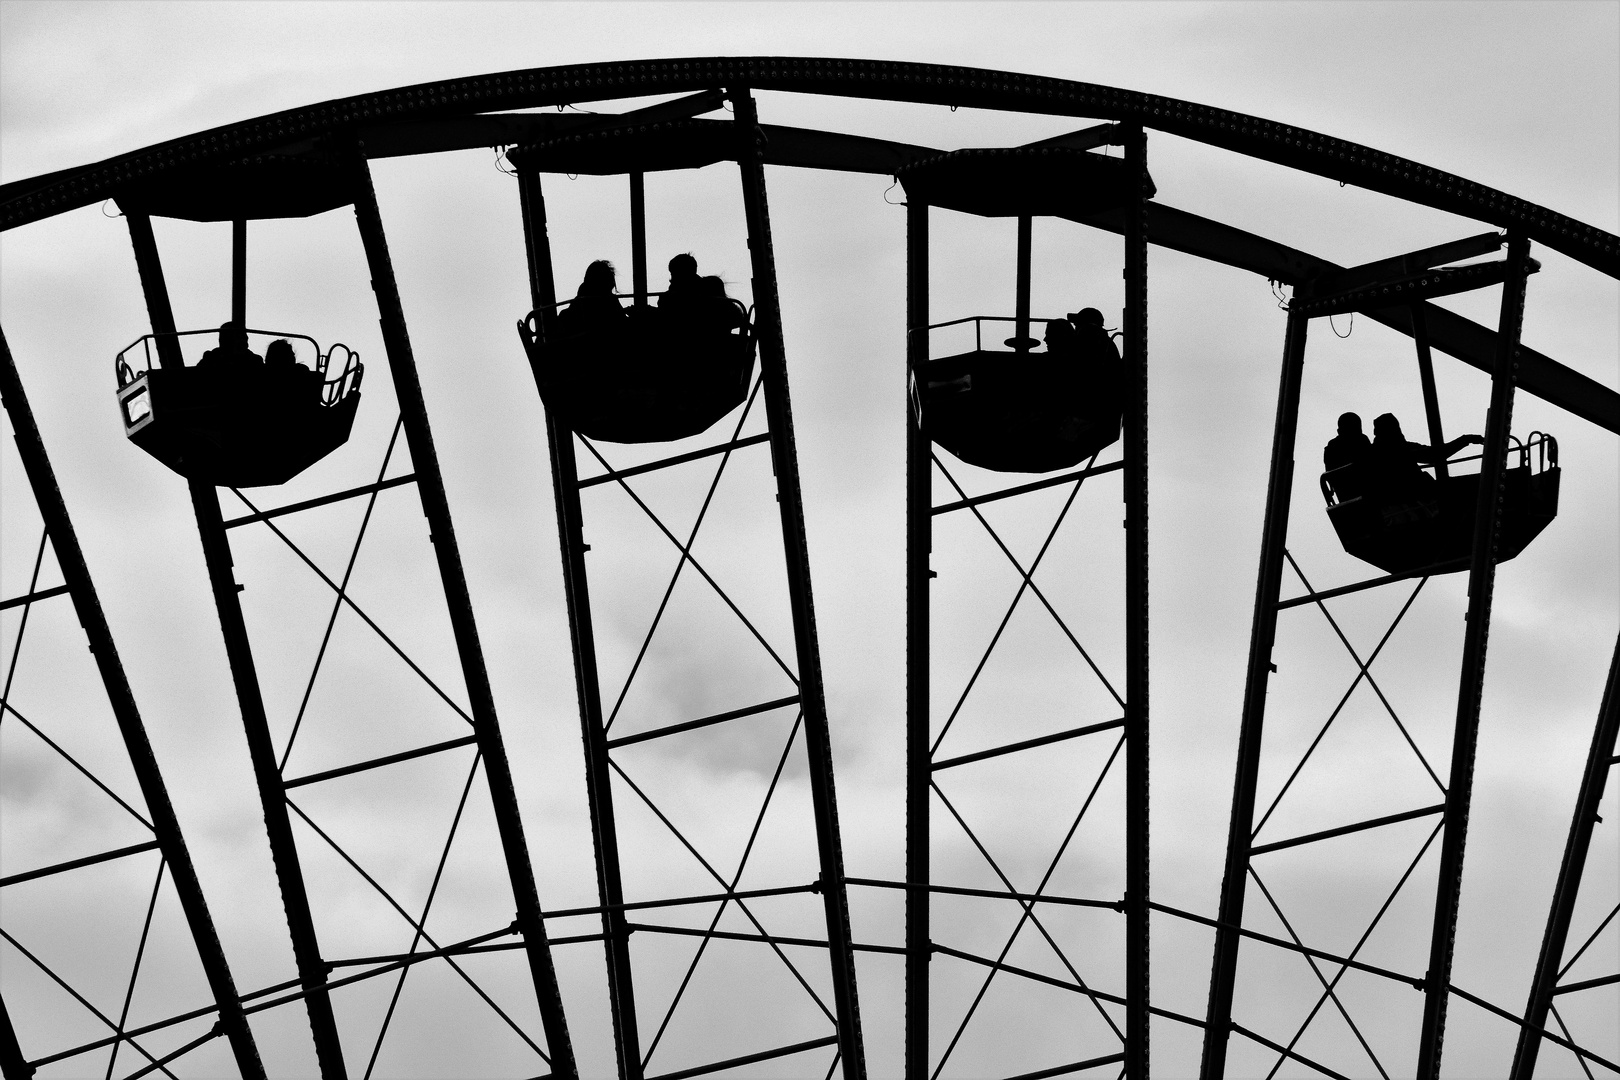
(1394,461)
(300,384)
(1062,343)
(1099,362)
(232,354)
(1350,451)
(719,309)
(685,287)
(594,306)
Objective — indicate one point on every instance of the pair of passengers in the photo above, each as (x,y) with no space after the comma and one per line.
(697,301)
(232,359)
(1388,465)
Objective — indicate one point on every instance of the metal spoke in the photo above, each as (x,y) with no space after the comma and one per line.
(349,600)
(748,849)
(1565,1029)
(386,895)
(135,969)
(1034,588)
(1378,916)
(1588,942)
(687,555)
(716,875)
(337,604)
(680,564)
(427,906)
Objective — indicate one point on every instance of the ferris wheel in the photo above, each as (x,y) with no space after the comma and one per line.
(725,934)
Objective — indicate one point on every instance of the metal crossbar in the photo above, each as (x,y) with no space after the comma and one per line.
(73,761)
(323,500)
(707,721)
(678,459)
(377,763)
(1025,489)
(1345,830)
(1027,744)
(991,894)
(135,968)
(74,864)
(32,597)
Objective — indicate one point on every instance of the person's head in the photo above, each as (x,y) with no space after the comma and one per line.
(1349,424)
(600,278)
(1058,331)
(1087,319)
(712,286)
(280,352)
(1387,427)
(683,268)
(232,335)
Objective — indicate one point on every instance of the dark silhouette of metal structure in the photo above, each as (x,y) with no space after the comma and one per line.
(315,159)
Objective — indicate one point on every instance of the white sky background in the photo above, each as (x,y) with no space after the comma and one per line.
(1525,98)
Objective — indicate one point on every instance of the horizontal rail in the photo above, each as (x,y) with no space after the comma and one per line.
(1580,1051)
(1024,489)
(1034,976)
(707,721)
(1415,982)
(1373,583)
(764,939)
(324,500)
(1343,830)
(680,901)
(1425,286)
(749,1059)
(1072,1067)
(29,598)
(991,894)
(1286,1052)
(678,459)
(74,864)
(458,950)
(1589,984)
(377,763)
(1027,744)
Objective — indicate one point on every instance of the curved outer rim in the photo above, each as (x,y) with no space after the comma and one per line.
(25,201)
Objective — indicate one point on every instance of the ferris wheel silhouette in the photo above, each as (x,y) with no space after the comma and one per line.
(721,939)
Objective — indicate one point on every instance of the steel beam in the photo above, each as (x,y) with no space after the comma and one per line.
(1599,761)
(464,628)
(1470,691)
(790,500)
(13,1065)
(1136,611)
(1262,635)
(565,487)
(250,699)
(165,825)
(919,545)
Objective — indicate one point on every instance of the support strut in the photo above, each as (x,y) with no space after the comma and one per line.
(244,674)
(1262,635)
(1471,688)
(458,600)
(576,592)
(784,459)
(919,543)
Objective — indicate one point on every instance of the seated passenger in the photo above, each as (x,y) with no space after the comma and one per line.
(232,354)
(302,384)
(594,307)
(1394,462)
(1349,450)
(685,287)
(1100,364)
(1062,342)
(718,306)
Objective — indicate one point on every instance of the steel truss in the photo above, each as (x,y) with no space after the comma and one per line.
(1124,1042)
(481,734)
(639,1027)
(1450,811)
(158,821)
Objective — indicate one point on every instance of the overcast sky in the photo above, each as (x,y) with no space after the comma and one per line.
(1522,97)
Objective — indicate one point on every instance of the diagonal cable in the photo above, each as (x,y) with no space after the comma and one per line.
(367,619)
(1007,617)
(386,895)
(686,554)
(1366,935)
(1034,588)
(71,760)
(80,998)
(427,906)
(680,564)
(1028,909)
(337,604)
(742,906)
(1344,700)
(1565,1029)
(1328,988)
(1588,942)
(22,626)
(742,863)
(135,969)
